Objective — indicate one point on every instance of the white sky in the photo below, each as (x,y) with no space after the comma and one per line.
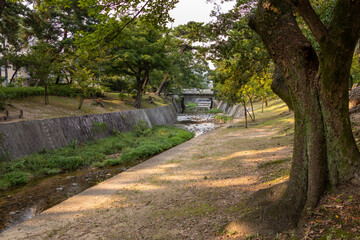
(195,10)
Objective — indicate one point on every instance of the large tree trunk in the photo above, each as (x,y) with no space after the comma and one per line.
(324,147)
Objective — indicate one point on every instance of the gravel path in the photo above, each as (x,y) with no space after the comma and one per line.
(196,190)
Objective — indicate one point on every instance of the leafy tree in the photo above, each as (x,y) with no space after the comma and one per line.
(138,51)
(41,63)
(84,81)
(325,152)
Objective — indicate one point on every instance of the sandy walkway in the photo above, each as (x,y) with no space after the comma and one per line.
(193,191)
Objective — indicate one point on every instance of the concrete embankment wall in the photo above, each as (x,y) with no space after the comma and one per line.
(23,138)
(235,111)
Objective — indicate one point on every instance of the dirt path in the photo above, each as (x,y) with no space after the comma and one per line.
(194,191)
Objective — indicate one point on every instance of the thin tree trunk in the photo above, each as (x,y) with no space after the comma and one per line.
(13,76)
(162,84)
(144,84)
(81,101)
(252,119)
(262,106)
(46,95)
(57,80)
(252,109)
(245,115)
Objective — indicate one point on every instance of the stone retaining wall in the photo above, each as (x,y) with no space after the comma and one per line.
(235,111)
(19,139)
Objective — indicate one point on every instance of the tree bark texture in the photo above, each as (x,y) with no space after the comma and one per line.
(141,77)
(279,87)
(325,151)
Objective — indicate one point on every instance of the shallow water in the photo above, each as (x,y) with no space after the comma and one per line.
(197,123)
(22,203)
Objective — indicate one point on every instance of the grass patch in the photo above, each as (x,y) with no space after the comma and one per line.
(144,142)
(214,111)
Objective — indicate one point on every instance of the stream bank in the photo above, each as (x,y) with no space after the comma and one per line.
(22,203)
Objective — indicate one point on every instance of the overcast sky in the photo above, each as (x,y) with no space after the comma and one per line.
(194,10)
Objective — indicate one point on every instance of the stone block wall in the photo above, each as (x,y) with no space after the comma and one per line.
(19,139)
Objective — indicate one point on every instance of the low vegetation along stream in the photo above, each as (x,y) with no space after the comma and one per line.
(20,203)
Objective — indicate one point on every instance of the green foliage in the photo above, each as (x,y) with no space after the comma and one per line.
(355,69)
(56,90)
(214,111)
(191,105)
(20,92)
(16,178)
(3,100)
(132,147)
(141,128)
(122,96)
(99,127)
(70,91)
(222,118)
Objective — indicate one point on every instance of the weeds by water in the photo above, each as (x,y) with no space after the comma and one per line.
(222,118)
(140,144)
(215,111)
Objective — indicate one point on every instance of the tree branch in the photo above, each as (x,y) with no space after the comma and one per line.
(345,22)
(317,27)
(131,20)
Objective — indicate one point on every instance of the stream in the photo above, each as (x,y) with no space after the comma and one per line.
(22,203)
(197,123)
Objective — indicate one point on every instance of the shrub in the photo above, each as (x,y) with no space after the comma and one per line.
(66,163)
(141,129)
(20,92)
(16,178)
(99,127)
(69,91)
(122,96)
